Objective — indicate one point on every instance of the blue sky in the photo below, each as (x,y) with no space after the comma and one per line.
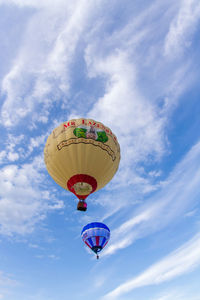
(133,65)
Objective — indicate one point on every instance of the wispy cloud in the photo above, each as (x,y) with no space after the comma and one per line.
(176,294)
(182,28)
(39,76)
(134,120)
(179,262)
(23,200)
(137,110)
(6,280)
(7,283)
(164,206)
(31,3)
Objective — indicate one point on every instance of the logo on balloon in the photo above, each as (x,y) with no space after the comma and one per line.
(89,132)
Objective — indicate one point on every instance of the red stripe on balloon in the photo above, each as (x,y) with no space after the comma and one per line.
(82,178)
(88,244)
(97,240)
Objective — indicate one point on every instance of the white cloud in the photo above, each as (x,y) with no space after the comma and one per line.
(169,296)
(177,294)
(6,280)
(182,28)
(136,76)
(42,69)
(31,3)
(13,156)
(191,213)
(53,256)
(36,143)
(11,153)
(2,155)
(132,118)
(164,206)
(40,73)
(179,262)
(23,198)
(35,246)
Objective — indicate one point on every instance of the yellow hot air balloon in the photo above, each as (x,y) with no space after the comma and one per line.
(82,156)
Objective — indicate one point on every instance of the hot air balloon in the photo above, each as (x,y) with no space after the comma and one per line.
(82,156)
(96,235)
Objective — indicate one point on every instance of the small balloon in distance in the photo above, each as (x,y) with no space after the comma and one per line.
(96,236)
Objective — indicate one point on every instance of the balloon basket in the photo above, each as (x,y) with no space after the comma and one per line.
(82,205)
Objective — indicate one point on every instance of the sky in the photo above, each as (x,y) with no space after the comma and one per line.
(134,66)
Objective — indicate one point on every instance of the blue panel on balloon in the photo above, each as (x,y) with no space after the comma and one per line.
(95,225)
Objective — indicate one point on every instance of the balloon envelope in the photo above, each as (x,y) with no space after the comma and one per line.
(96,236)
(82,156)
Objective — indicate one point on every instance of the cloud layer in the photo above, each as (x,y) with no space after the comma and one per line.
(179,262)
(178,194)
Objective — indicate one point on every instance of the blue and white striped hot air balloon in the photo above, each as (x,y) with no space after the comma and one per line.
(95,235)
